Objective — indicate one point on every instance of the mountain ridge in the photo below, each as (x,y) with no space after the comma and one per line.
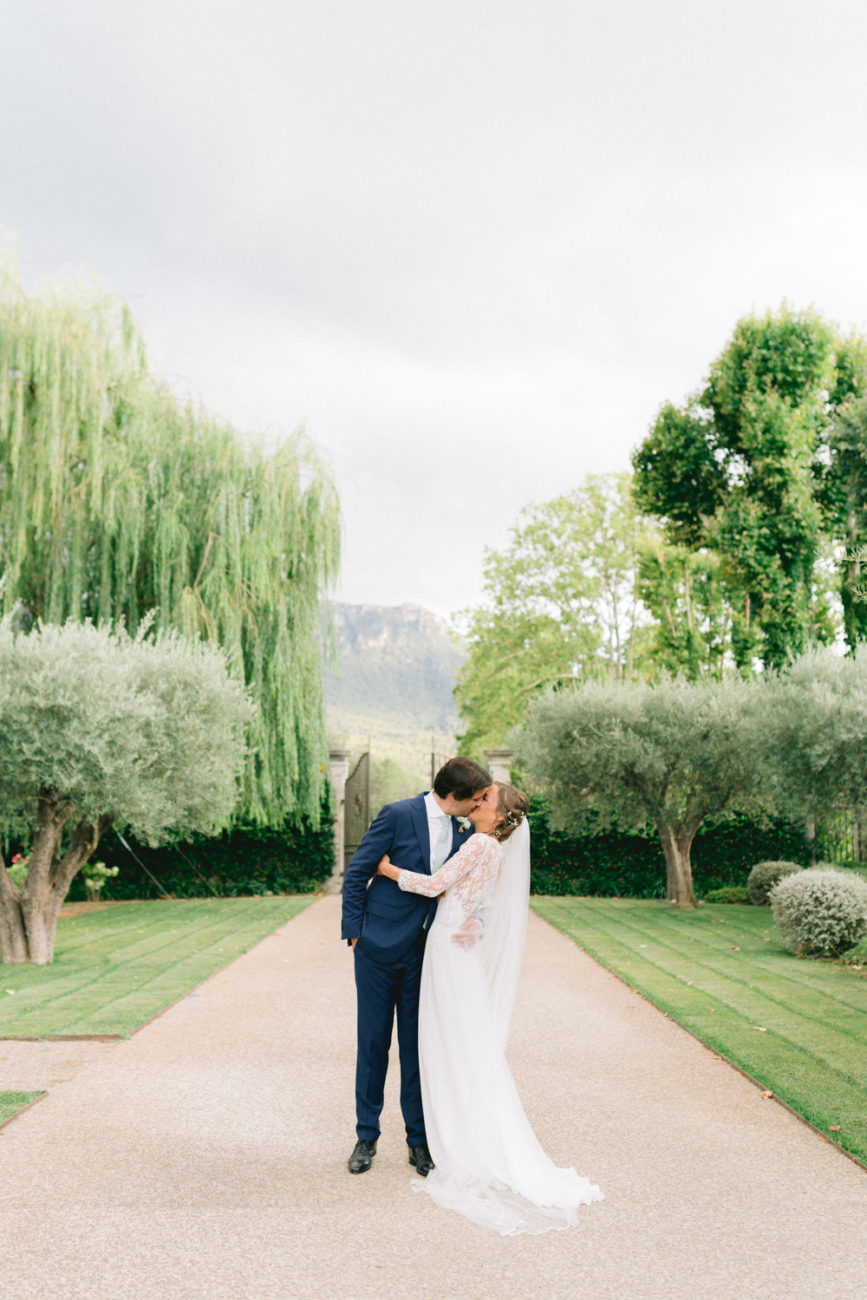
(392,680)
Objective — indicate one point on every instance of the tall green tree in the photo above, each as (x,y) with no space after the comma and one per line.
(560,603)
(686,595)
(587,589)
(737,471)
(98,728)
(120,502)
(844,497)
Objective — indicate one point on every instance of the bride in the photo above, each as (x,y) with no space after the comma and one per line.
(489,1165)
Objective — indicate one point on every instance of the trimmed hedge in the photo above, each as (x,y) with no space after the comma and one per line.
(612,864)
(728,894)
(246,860)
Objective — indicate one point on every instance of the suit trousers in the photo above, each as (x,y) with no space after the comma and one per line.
(385,990)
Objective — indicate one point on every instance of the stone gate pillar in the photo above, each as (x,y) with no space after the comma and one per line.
(499,762)
(339,759)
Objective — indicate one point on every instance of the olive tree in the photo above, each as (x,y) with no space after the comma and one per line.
(815,735)
(672,754)
(99,728)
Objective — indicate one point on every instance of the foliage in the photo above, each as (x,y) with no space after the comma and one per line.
(243,860)
(740,470)
(686,595)
(588,588)
(672,754)
(798,1028)
(613,863)
(728,894)
(390,782)
(560,603)
(98,728)
(763,877)
(822,912)
(119,503)
(18,868)
(94,875)
(814,735)
(844,497)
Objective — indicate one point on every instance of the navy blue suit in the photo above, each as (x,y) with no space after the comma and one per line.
(391,928)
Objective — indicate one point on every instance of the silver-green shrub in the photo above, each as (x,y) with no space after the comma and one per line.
(822,912)
(99,729)
(764,876)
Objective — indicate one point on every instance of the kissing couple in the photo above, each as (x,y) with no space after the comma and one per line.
(435,904)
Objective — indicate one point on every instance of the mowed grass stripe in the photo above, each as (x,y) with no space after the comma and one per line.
(735,990)
(815,1005)
(755,933)
(157,947)
(12,1102)
(721,1025)
(150,927)
(842,1054)
(100,984)
(798,1066)
(142,931)
(839,1043)
(196,930)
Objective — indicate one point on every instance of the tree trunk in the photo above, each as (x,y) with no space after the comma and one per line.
(48,880)
(13,940)
(676,845)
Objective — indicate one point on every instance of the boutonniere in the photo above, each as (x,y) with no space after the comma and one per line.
(464,824)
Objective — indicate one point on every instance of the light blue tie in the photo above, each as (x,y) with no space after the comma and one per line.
(444,842)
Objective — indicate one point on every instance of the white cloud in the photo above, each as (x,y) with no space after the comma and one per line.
(473,246)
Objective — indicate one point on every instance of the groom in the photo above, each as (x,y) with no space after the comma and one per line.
(387,929)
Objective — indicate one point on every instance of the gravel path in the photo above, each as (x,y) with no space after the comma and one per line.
(205,1157)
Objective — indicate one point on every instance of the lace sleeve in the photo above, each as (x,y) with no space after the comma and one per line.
(479,852)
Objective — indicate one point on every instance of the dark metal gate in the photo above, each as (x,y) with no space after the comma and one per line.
(356,816)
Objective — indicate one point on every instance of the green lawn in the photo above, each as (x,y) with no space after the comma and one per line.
(12,1102)
(117,967)
(798,1026)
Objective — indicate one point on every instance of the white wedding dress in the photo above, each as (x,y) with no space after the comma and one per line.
(489,1164)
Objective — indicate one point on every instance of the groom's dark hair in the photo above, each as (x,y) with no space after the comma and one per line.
(461,777)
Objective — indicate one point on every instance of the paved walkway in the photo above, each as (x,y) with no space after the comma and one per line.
(204,1158)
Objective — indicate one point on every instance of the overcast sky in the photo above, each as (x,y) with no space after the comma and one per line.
(472,245)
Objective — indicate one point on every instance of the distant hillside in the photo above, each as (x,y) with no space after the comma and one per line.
(393,681)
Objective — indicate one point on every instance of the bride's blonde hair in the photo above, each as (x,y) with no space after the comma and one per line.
(513,805)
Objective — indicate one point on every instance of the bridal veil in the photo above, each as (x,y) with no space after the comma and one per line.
(489,1164)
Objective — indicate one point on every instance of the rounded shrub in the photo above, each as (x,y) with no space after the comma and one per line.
(764,876)
(728,894)
(822,912)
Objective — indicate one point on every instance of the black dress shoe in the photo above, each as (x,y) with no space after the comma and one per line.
(421,1158)
(362,1156)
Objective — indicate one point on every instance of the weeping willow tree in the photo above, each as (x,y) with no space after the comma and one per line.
(119,502)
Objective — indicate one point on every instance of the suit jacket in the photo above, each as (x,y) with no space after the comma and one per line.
(386,919)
